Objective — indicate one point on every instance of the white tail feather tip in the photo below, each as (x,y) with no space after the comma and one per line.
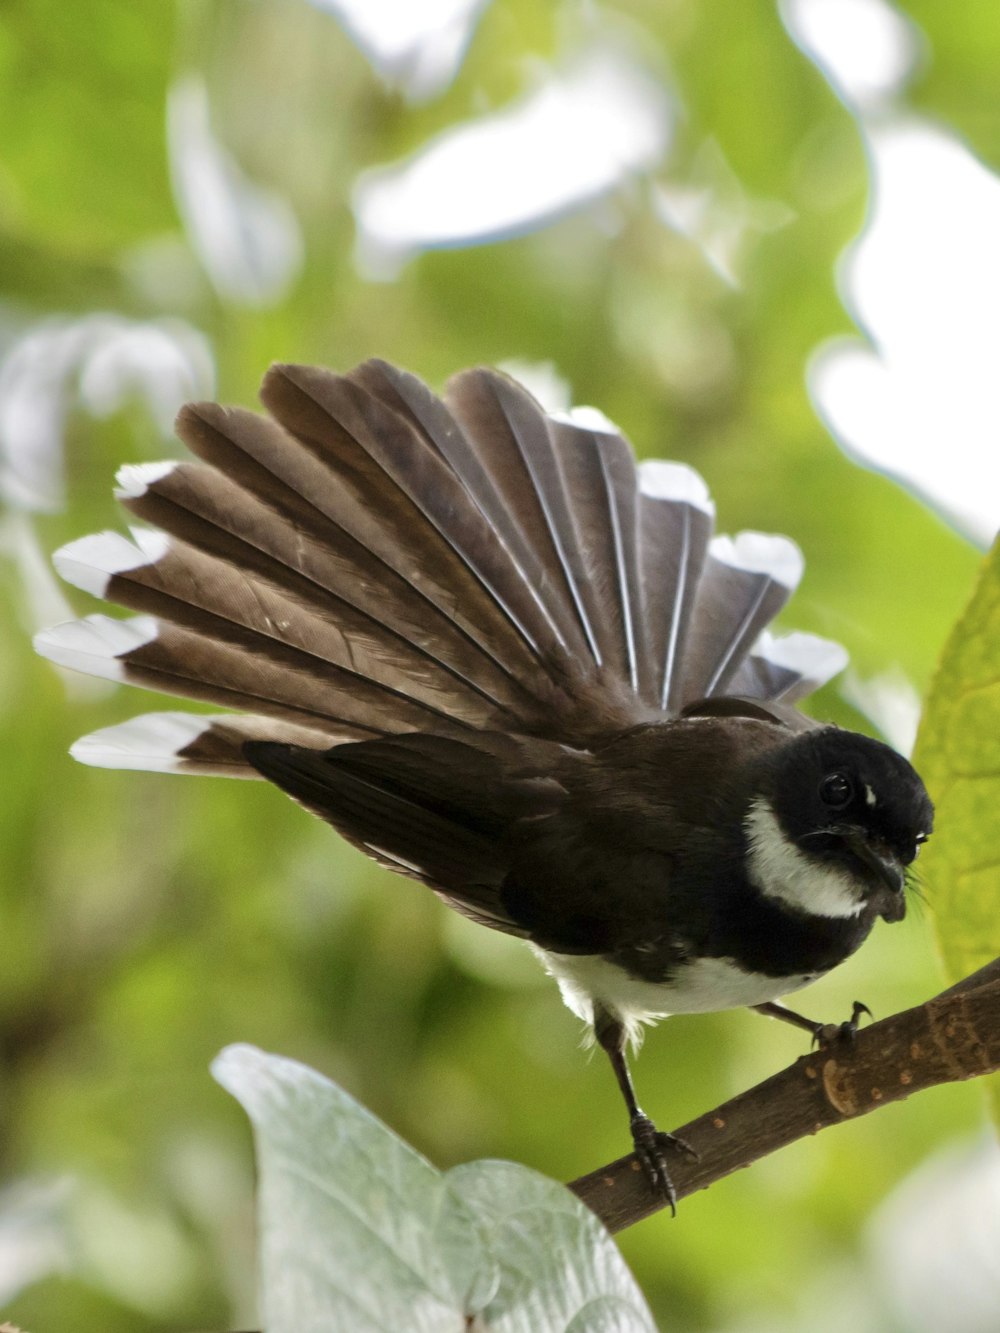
(674,481)
(588,418)
(761,553)
(95,644)
(135,479)
(810,656)
(151,741)
(153,544)
(91,562)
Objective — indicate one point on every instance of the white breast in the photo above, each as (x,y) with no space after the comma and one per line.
(702,985)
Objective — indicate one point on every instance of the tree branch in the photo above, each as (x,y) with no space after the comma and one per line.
(954,1036)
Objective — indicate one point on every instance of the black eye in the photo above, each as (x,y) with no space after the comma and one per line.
(836,790)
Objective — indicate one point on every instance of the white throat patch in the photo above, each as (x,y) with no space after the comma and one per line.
(782,872)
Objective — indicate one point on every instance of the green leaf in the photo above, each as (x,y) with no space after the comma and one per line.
(359,1231)
(958,755)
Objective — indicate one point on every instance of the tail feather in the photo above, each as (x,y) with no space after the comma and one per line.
(373,560)
(244,671)
(205,743)
(744,584)
(515,477)
(374,531)
(676,516)
(215,599)
(399,495)
(347,506)
(786,668)
(602,491)
(509,459)
(315,563)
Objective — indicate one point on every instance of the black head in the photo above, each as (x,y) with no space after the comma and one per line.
(852,805)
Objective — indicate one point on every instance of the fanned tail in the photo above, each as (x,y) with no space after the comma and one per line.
(371,560)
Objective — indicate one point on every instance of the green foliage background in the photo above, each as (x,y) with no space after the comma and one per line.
(148,921)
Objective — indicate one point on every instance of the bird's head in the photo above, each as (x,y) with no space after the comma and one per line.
(835,820)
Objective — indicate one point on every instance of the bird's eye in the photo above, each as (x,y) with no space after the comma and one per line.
(836,790)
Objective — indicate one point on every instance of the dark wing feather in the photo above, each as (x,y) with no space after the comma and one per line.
(436,809)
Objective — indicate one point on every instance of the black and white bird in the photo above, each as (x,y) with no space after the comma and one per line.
(503,659)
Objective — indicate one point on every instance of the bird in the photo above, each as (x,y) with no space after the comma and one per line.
(508,661)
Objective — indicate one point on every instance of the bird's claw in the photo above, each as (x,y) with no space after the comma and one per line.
(828,1034)
(650,1144)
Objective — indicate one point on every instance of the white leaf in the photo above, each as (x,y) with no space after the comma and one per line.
(359,1231)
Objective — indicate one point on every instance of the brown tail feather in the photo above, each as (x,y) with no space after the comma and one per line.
(733,604)
(401,494)
(215,599)
(514,474)
(374,560)
(203,743)
(602,490)
(249,672)
(371,525)
(323,568)
(675,537)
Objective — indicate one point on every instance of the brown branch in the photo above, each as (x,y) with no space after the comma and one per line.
(954,1036)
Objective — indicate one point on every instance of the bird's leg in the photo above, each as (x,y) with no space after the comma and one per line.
(823,1034)
(648,1141)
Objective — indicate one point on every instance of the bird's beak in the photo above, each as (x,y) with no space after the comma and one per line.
(888,900)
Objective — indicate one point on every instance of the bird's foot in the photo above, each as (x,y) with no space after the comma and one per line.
(828,1034)
(651,1146)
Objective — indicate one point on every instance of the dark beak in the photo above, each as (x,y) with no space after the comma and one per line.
(888,900)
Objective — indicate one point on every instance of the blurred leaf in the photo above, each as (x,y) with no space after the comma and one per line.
(357,1230)
(246,236)
(34,1235)
(959,82)
(81,99)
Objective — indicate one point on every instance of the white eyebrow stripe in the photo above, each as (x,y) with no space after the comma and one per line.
(870,797)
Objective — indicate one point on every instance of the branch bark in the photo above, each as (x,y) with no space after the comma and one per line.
(954,1036)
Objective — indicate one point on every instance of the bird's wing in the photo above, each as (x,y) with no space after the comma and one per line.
(433,808)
